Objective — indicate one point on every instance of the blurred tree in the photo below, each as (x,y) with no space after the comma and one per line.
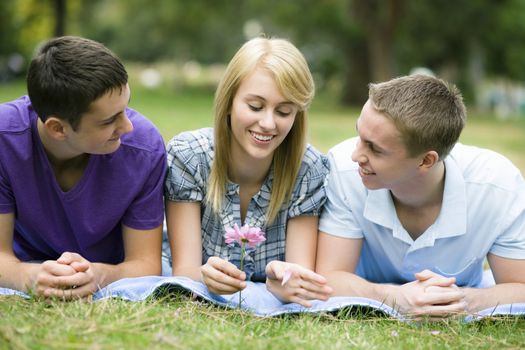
(204,30)
(348,43)
(60,17)
(7,28)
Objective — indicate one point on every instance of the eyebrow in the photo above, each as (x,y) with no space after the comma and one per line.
(262,98)
(375,145)
(116,114)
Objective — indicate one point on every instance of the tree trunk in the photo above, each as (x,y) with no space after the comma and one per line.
(60,17)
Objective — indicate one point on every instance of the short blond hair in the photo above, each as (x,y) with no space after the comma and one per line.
(428,112)
(293,78)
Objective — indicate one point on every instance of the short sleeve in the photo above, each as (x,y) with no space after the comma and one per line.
(147,210)
(511,243)
(189,156)
(309,193)
(6,194)
(338,218)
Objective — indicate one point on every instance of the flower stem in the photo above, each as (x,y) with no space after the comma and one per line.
(242,269)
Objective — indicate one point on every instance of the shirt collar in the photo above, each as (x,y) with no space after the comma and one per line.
(452,219)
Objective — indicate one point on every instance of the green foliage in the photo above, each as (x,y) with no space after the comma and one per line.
(348,43)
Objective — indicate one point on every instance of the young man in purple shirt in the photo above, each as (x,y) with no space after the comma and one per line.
(81,176)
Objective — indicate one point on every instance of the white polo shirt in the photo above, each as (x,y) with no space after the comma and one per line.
(483,211)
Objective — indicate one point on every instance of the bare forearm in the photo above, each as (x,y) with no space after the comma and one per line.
(349,284)
(107,273)
(17,275)
(506,293)
(193,272)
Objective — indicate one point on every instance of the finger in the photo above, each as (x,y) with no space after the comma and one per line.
(80,266)
(69,257)
(425,275)
(442,298)
(312,277)
(209,273)
(439,289)
(312,287)
(433,278)
(56,269)
(441,310)
(226,267)
(295,271)
(440,281)
(218,287)
(298,300)
(309,295)
(68,294)
(286,276)
(77,280)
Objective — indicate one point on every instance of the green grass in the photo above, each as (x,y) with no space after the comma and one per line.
(181,323)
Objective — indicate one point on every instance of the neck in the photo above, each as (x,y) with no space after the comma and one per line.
(423,192)
(246,171)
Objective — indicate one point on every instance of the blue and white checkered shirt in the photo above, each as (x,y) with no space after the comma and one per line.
(190,155)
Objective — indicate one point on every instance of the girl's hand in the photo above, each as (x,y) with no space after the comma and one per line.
(222,277)
(293,283)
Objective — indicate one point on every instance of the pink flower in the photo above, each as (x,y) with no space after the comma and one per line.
(246,234)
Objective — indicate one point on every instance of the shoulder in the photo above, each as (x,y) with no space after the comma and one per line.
(193,149)
(314,161)
(483,166)
(145,136)
(192,142)
(15,115)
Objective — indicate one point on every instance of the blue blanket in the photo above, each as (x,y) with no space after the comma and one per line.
(256,299)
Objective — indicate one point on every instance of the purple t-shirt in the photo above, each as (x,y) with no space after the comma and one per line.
(121,188)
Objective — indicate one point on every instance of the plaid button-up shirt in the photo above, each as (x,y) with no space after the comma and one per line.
(190,155)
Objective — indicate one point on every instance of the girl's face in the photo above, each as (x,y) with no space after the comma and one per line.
(260,118)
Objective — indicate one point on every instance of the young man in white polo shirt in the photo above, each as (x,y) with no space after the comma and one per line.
(411,214)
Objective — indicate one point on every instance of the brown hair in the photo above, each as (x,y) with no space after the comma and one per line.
(428,112)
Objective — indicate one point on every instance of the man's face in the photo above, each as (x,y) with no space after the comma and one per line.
(380,152)
(101,127)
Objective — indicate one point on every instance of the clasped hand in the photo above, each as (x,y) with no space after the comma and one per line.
(430,294)
(69,277)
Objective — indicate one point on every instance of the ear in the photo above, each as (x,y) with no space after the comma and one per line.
(429,159)
(55,127)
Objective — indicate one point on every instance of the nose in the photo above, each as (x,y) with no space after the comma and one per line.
(358,155)
(125,125)
(267,121)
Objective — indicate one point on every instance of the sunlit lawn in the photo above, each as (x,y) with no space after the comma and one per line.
(182,323)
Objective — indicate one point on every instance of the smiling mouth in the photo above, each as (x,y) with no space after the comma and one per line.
(262,138)
(365,172)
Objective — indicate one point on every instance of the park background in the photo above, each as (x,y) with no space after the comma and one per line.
(175,52)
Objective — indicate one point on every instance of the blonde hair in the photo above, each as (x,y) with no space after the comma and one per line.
(428,112)
(294,80)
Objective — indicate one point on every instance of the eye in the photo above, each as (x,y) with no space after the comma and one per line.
(372,148)
(108,122)
(284,113)
(254,108)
